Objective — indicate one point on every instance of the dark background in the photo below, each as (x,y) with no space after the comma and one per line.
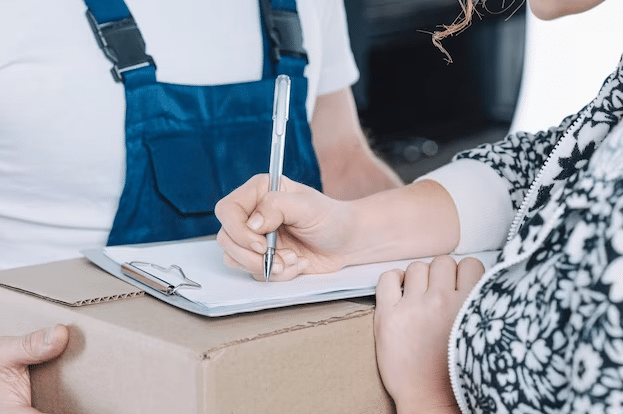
(417,109)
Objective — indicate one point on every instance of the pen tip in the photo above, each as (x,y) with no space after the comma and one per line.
(268,266)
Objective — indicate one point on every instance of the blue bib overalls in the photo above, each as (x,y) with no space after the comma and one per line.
(188,146)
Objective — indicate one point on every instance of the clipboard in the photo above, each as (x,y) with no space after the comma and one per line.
(97,257)
(157,290)
(191,275)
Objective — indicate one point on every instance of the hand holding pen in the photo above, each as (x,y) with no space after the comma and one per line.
(281,110)
(314,230)
(311,222)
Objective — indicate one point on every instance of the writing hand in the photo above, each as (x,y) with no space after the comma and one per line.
(311,228)
(415,310)
(16,354)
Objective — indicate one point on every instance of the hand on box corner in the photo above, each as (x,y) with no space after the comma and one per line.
(16,354)
(311,228)
(415,310)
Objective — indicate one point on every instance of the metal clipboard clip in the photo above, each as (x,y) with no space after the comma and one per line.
(134,271)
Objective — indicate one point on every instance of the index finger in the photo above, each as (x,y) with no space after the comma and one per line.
(389,289)
(234,210)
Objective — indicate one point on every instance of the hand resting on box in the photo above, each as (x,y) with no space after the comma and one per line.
(16,355)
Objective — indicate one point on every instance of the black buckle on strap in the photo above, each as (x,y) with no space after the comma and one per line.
(288,33)
(284,30)
(122,44)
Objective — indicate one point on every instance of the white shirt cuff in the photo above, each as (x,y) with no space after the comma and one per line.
(482,201)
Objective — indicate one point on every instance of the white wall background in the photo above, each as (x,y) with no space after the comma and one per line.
(566,61)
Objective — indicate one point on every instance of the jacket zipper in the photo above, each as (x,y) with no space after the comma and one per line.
(495,269)
(533,187)
(509,263)
(527,201)
(512,232)
(506,264)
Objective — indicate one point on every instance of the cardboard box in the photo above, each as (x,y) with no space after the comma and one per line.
(130,353)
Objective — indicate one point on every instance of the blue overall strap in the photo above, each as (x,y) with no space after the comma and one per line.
(285,35)
(118,36)
(107,11)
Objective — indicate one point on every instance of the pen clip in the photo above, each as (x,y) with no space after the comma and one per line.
(281,103)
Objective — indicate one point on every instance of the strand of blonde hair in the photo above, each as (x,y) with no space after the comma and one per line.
(462,22)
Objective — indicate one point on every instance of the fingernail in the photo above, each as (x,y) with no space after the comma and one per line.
(255,221)
(257,247)
(277,268)
(48,336)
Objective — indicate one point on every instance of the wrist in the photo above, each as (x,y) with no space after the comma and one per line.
(430,409)
(370,235)
(351,243)
(357,173)
(435,397)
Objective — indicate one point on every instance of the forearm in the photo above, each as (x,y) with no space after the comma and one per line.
(356,172)
(348,167)
(416,220)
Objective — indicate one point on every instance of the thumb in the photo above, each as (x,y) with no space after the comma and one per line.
(34,348)
(298,206)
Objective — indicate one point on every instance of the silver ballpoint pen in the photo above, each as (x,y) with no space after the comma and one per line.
(281,109)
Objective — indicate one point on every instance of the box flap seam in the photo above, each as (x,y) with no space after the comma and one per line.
(215,352)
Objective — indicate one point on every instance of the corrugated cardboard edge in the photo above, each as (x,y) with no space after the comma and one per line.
(78,303)
(74,283)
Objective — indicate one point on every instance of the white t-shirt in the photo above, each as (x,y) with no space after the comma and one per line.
(62,154)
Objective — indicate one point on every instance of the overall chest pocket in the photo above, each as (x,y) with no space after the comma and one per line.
(193,169)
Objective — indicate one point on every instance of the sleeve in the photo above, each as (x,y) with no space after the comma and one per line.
(518,158)
(338,68)
(488,184)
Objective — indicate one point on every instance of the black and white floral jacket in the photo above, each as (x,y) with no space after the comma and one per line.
(542,332)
